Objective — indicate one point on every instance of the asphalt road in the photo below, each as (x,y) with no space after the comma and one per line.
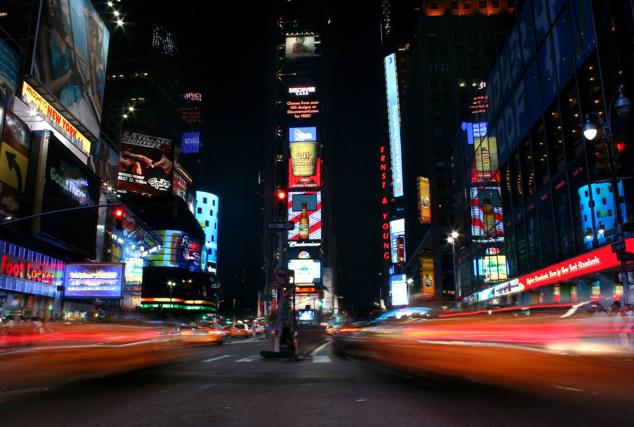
(232,386)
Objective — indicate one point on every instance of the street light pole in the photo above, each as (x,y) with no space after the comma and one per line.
(452,240)
(590,132)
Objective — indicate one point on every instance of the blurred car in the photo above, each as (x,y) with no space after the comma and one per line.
(241,330)
(201,335)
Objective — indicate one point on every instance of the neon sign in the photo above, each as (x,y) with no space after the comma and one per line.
(302,109)
(23,269)
(302,90)
(385,226)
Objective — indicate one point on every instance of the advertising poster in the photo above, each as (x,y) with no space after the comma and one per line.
(15,144)
(93,280)
(424,200)
(72,47)
(190,142)
(486,214)
(426,268)
(398,290)
(180,186)
(146,164)
(397,240)
(69,184)
(307,271)
(302,109)
(9,70)
(179,250)
(300,46)
(304,211)
(492,268)
(134,271)
(394,119)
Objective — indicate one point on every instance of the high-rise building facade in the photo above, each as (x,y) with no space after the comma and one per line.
(565,193)
(449,59)
(296,187)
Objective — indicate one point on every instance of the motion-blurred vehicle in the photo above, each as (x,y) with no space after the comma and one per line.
(197,334)
(541,347)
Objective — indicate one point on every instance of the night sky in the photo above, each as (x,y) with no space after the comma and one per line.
(233,79)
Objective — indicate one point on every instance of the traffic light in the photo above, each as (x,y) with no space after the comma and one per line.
(280,196)
(119,215)
(621,164)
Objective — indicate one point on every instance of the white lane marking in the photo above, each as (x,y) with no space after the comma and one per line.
(247,359)
(321,359)
(213,359)
(245,341)
(318,349)
(561,387)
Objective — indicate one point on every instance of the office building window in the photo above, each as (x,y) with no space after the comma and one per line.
(199,210)
(204,200)
(206,223)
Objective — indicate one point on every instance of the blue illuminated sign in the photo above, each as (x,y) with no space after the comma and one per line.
(93,280)
(190,142)
(474,130)
(394,119)
(398,289)
(302,134)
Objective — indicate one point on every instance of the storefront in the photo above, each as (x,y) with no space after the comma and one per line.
(591,276)
(29,282)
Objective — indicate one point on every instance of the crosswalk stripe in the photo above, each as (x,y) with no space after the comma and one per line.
(247,359)
(213,359)
(321,359)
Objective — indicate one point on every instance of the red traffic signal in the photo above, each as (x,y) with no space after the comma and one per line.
(118,213)
(620,146)
(281,195)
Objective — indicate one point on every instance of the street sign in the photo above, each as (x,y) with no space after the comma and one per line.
(618,247)
(280,225)
(280,276)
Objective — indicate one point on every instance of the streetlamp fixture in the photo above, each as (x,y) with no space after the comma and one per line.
(598,127)
(452,239)
(171,285)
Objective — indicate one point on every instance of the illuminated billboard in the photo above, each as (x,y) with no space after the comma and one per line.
(302,90)
(15,149)
(397,241)
(302,109)
(394,121)
(486,214)
(604,212)
(304,212)
(424,201)
(134,271)
(307,271)
(190,142)
(491,267)
(398,290)
(426,269)
(93,280)
(179,250)
(146,164)
(303,180)
(70,58)
(302,134)
(300,46)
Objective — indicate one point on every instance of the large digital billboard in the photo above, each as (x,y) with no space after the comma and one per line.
(302,180)
(300,46)
(93,280)
(146,164)
(70,58)
(394,121)
(15,148)
(398,290)
(397,241)
(604,213)
(486,214)
(427,275)
(179,250)
(307,271)
(302,109)
(304,212)
(491,267)
(424,200)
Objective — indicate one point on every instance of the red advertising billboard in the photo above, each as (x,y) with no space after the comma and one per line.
(304,212)
(313,181)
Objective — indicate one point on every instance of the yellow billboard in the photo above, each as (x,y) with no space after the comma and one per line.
(424,200)
(428,282)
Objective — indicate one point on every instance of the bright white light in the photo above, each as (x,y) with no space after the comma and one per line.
(454,235)
(125,116)
(116,13)
(119,22)
(590,133)
(110,4)
(450,240)
(130,108)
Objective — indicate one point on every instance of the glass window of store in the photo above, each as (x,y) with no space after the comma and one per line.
(571,120)
(554,136)
(532,237)
(509,240)
(563,218)
(517,187)
(506,186)
(522,247)
(540,155)
(540,14)
(563,49)
(533,92)
(547,226)
(528,171)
